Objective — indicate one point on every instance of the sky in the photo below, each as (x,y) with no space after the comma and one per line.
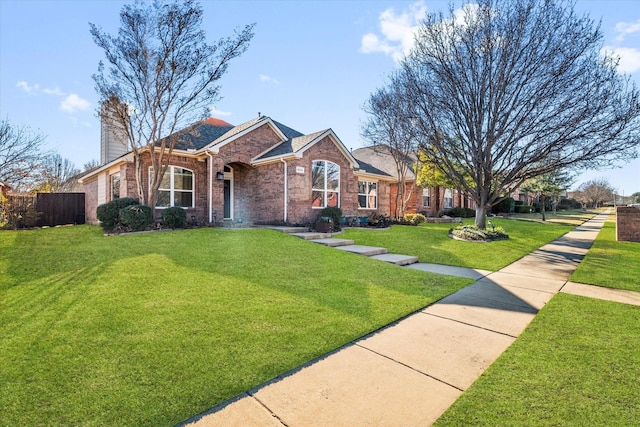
(311,64)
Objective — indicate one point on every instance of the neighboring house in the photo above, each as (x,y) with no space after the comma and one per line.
(258,172)
(421,200)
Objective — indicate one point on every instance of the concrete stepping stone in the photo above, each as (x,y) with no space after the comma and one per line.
(396,259)
(311,235)
(333,242)
(363,250)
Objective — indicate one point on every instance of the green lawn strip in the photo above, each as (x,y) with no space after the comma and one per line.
(610,263)
(431,244)
(151,329)
(576,364)
(571,217)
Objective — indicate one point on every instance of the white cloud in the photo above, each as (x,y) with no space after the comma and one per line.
(397,31)
(213,111)
(73,103)
(25,86)
(268,79)
(55,91)
(625,28)
(629,58)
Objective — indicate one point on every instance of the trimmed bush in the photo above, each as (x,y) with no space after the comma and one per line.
(474,234)
(335,214)
(523,209)
(414,219)
(136,217)
(462,212)
(505,206)
(174,217)
(109,213)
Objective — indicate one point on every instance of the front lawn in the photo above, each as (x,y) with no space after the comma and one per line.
(430,242)
(151,329)
(610,263)
(577,364)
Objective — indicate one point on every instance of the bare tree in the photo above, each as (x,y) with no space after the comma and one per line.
(388,129)
(162,77)
(595,193)
(56,175)
(21,150)
(505,91)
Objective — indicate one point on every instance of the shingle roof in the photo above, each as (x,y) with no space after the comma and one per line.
(379,157)
(202,133)
(291,145)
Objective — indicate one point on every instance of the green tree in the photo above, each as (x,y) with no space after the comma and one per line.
(548,186)
(162,76)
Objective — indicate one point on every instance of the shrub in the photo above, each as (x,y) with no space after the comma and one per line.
(523,209)
(505,206)
(335,214)
(174,217)
(109,213)
(414,219)
(473,233)
(136,217)
(462,212)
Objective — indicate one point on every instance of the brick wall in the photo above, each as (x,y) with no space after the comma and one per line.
(627,224)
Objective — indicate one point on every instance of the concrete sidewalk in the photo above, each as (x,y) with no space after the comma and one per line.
(410,372)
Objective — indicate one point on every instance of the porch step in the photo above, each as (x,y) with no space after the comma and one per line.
(396,259)
(333,242)
(363,250)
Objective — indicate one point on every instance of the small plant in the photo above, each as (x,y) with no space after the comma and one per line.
(174,217)
(379,220)
(136,217)
(109,213)
(414,219)
(334,213)
(475,234)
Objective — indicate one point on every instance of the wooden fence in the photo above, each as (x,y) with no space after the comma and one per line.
(44,209)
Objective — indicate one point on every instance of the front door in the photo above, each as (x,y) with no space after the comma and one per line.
(228,193)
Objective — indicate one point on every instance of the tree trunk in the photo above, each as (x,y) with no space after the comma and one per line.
(481,212)
(542,208)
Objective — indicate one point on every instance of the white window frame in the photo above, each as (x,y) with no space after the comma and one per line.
(367,194)
(325,191)
(112,177)
(172,190)
(448,201)
(426,194)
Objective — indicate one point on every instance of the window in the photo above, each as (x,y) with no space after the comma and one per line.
(448,198)
(426,197)
(176,188)
(367,195)
(325,184)
(115,186)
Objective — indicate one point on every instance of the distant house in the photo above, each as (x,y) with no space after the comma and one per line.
(258,172)
(431,201)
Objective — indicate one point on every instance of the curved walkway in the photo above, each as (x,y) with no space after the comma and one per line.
(410,372)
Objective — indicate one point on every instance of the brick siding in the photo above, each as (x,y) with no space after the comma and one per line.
(627,224)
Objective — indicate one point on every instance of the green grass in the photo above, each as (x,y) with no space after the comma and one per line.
(576,364)
(151,329)
(573,217)
(610,263)
(430,242)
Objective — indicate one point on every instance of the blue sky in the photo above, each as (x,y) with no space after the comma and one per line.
(311,64)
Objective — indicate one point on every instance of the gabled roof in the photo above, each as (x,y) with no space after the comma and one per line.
(296,146)
(379,157)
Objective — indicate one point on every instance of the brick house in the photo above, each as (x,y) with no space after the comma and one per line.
(258,172)
(430,201)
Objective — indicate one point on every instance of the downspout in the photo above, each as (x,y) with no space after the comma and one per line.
(210,187)
(286,204)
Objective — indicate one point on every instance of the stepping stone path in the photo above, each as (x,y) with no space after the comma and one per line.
(328,239)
